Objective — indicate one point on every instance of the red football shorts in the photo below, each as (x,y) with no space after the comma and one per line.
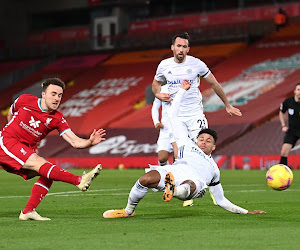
(13,155)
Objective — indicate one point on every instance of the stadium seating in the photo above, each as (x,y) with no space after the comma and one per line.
(65,68)
(8,67)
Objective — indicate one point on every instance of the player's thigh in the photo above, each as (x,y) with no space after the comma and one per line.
(163,155)
(180,172)
(34,162)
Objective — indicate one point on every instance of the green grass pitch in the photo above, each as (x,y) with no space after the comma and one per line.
(77,221)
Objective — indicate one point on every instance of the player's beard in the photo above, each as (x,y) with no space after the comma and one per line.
(180,58)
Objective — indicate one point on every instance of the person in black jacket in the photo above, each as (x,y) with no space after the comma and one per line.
(292,128)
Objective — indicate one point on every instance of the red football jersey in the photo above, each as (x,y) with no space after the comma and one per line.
(30,123)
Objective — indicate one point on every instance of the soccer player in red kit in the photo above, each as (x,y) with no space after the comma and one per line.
(30,119)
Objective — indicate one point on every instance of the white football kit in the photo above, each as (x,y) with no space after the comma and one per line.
(193,164)
(191,108)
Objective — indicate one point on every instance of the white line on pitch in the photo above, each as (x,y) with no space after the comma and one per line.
(79,193)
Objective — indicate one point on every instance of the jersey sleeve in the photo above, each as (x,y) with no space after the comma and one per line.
(219,199)
(17,103)
(284,106)
(62,126)
(180,134)
(204,71)
(155,110)
(159,76)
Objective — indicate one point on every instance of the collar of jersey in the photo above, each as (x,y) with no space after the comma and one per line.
(40,106)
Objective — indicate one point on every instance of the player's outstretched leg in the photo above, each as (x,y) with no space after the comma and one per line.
(88,177)
(170,187)
(113,214)
(33,215)
(137,193)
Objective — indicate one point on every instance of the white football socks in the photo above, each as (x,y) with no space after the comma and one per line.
(137,193)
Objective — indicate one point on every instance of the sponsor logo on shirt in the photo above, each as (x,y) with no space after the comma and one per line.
(177,82)
(200,152)
(34,123)
(189,71)
(30,130)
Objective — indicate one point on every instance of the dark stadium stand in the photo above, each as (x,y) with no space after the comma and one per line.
(266,139)
(8,67)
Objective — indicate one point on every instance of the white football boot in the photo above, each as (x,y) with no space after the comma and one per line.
(88,177)
(33,215)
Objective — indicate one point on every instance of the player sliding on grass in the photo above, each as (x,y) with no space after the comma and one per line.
(30,120)
(189,176)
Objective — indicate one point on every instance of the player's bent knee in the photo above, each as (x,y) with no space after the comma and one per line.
(150,179)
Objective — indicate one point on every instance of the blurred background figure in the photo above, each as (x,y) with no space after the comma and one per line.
(280,19)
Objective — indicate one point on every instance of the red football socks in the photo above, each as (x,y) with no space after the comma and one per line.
(56,173)
(38,192)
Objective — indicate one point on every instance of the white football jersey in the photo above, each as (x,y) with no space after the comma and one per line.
(189,152)
(192,159)
(174,73)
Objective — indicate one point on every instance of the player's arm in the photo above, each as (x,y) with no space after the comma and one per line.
(155,114)
(77,142)
(220,92)
(156,88)
(9,114)
(219,199)
(284,126)
(179,132)
(282,115)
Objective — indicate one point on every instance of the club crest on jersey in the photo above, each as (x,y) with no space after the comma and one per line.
(189,71)
(48,121)
(291,111)
(34,123)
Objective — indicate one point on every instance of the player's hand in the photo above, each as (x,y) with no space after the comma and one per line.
(186,84)
(285,128)
(256,212)
(164,97)
(233,111)
(159,125)
(97,136)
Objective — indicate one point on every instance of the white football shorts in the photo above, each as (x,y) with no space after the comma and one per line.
(181,173)
(194,124)
(163,141)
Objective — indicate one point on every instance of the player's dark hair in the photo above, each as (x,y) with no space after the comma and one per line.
(298,84)
(54,81)
(184,35)
(209,131)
